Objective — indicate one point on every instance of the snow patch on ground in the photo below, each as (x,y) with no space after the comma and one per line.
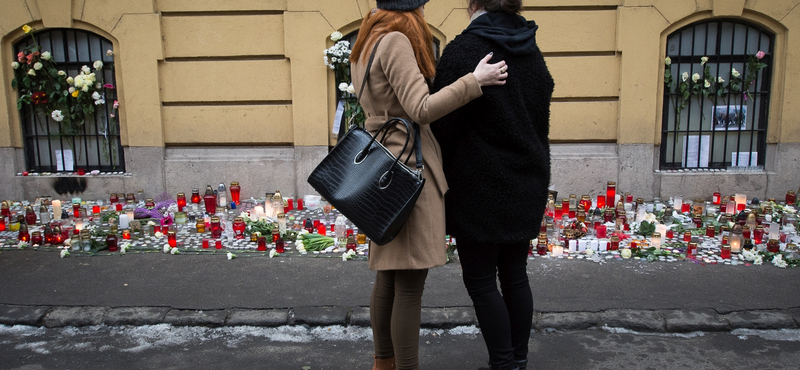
(693,334)
(784,335)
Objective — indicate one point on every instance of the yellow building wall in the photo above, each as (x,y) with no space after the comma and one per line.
(194,72)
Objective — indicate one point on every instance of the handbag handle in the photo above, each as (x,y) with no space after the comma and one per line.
(417,138)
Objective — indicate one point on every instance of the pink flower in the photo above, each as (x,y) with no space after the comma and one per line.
(108,86)
(760,54)
(112,115)
(116,104)
(21,57)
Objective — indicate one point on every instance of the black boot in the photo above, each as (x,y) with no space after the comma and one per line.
(521,364)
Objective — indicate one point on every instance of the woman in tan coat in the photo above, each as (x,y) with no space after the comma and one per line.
(398,86)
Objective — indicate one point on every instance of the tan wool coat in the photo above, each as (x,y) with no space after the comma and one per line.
(396,88)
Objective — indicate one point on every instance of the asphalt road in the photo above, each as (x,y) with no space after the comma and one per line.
(164,347)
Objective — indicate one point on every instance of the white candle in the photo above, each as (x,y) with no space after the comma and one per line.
(603,245)
(56,209)
(661,229)
(79,224)
(573,246)
(581,245)
(677,203)
(741,201)
(557,251)
(594,245)
(258,211)
(123,221)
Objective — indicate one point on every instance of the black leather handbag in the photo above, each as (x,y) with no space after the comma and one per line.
(366,182)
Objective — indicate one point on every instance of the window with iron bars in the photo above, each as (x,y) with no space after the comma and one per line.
(716,96)
(95,145)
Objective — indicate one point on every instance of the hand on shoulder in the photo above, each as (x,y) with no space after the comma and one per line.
(491,74)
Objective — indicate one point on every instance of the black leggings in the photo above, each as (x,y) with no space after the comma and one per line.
(505,319)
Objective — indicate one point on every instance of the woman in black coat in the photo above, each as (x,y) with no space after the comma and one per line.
(496,159)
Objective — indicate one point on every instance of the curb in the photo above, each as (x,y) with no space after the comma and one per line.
(646,321)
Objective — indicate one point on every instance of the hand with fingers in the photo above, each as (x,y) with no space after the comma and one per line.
(491,74)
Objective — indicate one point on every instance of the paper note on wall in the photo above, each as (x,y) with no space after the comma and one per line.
(64,161)
(696,151)
(337,121)
(744,159)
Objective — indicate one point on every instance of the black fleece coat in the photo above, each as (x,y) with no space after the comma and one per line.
(495,150)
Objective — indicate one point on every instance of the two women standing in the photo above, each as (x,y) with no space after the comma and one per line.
(399,86)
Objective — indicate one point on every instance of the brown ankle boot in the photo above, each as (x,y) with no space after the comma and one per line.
(383,364)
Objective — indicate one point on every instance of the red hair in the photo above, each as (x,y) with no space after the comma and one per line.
(412,24)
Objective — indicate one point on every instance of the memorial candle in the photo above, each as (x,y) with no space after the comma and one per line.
(172,239)
(235,192)
(36,238)
(111,242)
(2,223)
(741,202)
(56,209)
(262,244)
(611,192)
(216,228)
(791,197)
(758,234)
(196,196)
(716,198)
(181,201)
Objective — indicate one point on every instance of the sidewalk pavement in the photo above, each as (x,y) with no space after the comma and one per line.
(40,289)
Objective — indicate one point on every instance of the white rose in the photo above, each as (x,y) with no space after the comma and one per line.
(64,253)
(159,235)
(703,60)
(96,95)
(57,116)
(336,36)
(32,72)
(685,76)
(231,256)
(15,65)
(109,52)
(343,86)
(272,253)
(99,102)
(720,80)
(62,73)
(70,80)
(707,84)
(734,72)
(174,251)
(92,77)
(695,77)
(46,55)
(71,90)
(85,69)
(98,65)
(351,89)
(625,253)
(668,61)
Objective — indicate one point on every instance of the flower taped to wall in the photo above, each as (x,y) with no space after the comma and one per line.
(337,58)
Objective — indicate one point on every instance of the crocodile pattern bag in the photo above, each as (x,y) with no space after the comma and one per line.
(367,183)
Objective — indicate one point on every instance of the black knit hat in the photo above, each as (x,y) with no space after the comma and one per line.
(401,5)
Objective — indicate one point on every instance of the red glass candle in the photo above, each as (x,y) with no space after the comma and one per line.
(95,209)
(614,245)
(299,204)
(5,210)
(181,201)
(30,216)
(634,245)
(601,201)
(611,192)
(289,205)
(210,201)
(156,229)
(321,229)
(670,234)
(608,216)
(773,246)
(565,205)
(333,227)
(351,243)
(559,212)
(126,234)
(235,192)
(349,232)
(280,245)
(23,235)
(36,238)
(113,198)
(218,244)
(710,231)
(130,197)
(172,239)
(238,227)
(723,207)
(196,196)
(276,234)
(586,202)
(628,198)
(746,232)
(602,231)
(686,207)
(791,197)
(687,236)
(316,224)
(118,207)
(725,252)
(216,228)
(572,213)
(698,221)
(262,243)
(111,242)
(758,234)
(716,198)
(2,224)
(691,248)
(541,246)
(205,243)
(76,210)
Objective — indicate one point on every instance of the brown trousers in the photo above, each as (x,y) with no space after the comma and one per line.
(395,315)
